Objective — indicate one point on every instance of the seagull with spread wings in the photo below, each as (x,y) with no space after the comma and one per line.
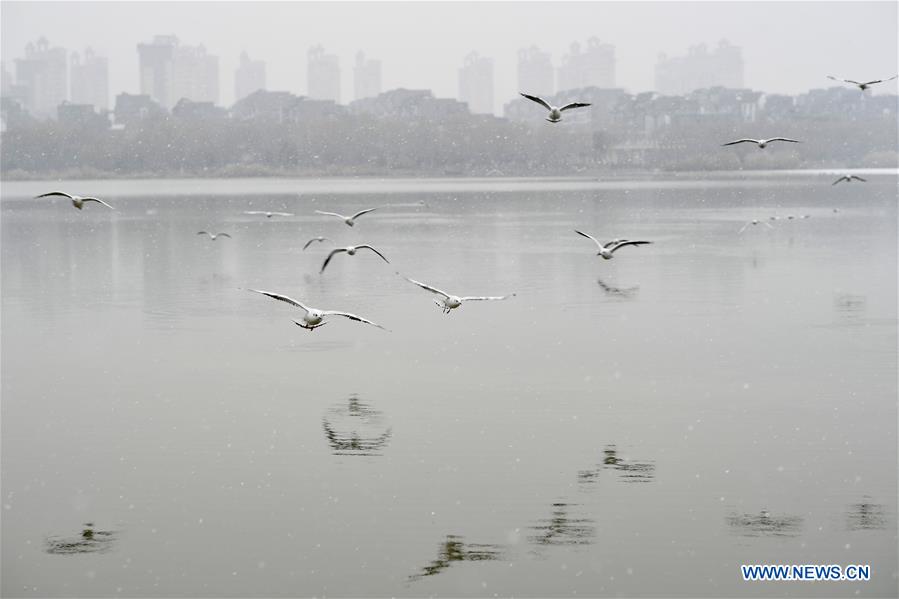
(77,201)
(349,220)
(313,240)
(351,251)
(608,250)
(451,302)
(213,236)
(760,142)
(314,317)
(849,179)
(555,112)
(755,222)
(862,85)
(268,214)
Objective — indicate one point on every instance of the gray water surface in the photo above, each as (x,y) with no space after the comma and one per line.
(640,426)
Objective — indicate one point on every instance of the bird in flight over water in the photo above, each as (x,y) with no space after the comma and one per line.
(608,250)
(314,317)
(555,112)
(77,201)
(349,220)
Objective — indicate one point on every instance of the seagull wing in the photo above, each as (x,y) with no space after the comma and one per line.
(55,193)
(328,259)
(375,251)
(841,179)
(624,243)
(223,235)
(486,298)
(253,212)
(361,212)
(351,317)
(574,105)
(856,177)
(739,141)
(795,141)
(767,225)
(539,101)
(843,80)
(613,242)
(428,287)
(281,298)
(330,214)
(204,233)
(744,227)
(308,243)
(596,241)
(99,201)
(282,214)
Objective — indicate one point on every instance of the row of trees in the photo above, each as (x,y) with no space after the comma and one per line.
(458,145)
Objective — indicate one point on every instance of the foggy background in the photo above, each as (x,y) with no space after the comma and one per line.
(787,47)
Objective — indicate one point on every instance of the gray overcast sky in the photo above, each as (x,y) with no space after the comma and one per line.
(788,47)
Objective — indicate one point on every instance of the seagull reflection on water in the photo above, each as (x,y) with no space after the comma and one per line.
(454,549)
(866,515)
(562,529)
(764,524)
(89,541)
(619,292)
(628,471)
(355,429)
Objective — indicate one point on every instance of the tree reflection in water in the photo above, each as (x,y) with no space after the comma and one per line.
(764,524)
(866,515)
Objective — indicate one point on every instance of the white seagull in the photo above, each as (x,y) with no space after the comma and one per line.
(761,142)
(213,236)
(314,317)
(77,201)
(351,250)
(755,222)
(313,240)
(349,220)
(451,302)
(268,214)
(849,178)
(555,112)
(607,250)
(862,85)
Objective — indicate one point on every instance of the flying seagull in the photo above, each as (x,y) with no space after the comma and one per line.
(761,142)
(314,317)
(268,214)
(351,250)
(848,178)
(555,112)
(313,240)
(77,201)
(213,236)
(755,222)
(607,250)
(349,220)
(451,302)
(862,85)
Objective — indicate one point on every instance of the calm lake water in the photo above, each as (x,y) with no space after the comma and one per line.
(640,426)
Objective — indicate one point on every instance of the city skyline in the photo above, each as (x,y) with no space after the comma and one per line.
(799,66)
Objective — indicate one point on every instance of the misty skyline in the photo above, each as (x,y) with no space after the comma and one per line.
(787,47)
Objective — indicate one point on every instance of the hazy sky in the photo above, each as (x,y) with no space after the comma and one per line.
(788,47)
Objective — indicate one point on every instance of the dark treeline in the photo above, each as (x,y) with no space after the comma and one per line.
(463,144)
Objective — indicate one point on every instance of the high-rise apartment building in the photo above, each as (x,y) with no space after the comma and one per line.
(700,69)
(43,78)
(366,77)
(535,72)
(323,75)
(590,67)
(170,72)
(249,77)
(89,79)
(476,83)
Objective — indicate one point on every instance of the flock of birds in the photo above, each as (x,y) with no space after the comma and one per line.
(314,318)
